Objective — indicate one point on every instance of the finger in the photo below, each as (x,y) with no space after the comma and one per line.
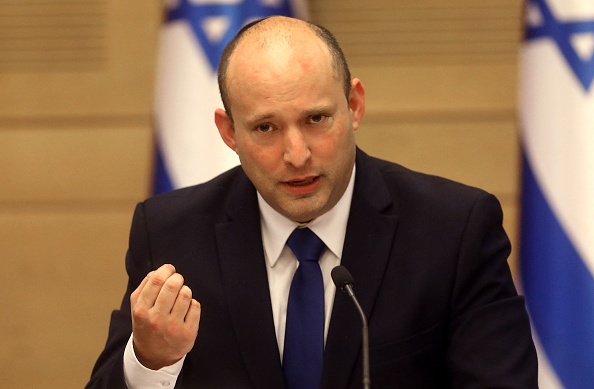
(168,294)
(154,284)
(144,281)
(182,303)
(192,320)
(138,290)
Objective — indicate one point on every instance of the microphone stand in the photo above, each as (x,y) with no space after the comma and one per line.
(348,288)
(344,280)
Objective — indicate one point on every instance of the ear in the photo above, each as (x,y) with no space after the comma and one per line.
(356,102)
(225,127)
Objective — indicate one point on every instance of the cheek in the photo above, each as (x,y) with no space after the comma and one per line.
(258,160)
(335,144)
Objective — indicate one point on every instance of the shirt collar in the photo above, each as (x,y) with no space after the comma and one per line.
(330,227)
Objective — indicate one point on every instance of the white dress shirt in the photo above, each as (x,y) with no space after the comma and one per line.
(281,266)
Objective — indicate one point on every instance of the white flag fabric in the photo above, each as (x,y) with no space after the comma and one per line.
(557,227)
(188,147)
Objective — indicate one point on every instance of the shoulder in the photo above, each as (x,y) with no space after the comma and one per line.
(401,181)
(203,200)
(416,192)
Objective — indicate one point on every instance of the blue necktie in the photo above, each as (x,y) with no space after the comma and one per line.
(303,355)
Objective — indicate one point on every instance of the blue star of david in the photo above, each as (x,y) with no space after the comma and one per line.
(561,34)
(237,14)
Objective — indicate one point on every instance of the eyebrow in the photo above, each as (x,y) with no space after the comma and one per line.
(326,108)
(320,109)
(256,119)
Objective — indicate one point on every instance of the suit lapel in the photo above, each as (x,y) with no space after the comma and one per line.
(368,242)
(245,282)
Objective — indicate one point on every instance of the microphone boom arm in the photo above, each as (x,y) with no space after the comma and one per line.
(344,281)
(348,288)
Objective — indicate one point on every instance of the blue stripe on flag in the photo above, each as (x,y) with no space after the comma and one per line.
(559,288)
(162,183)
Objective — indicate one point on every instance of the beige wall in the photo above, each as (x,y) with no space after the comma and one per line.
(75,143)
(75,150)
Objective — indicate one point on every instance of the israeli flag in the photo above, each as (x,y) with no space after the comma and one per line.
(557,233)
(189,149)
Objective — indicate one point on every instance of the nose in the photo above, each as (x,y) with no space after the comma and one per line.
(296,148)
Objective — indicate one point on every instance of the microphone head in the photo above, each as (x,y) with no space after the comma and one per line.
(341,277)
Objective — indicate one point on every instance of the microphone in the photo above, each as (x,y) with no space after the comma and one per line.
(344,281)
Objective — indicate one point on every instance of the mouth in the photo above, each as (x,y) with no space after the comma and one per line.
(303,186)
(304,182)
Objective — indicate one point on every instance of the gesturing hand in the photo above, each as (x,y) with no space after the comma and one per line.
(165,318)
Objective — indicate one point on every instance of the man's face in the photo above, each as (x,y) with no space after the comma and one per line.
(293,127)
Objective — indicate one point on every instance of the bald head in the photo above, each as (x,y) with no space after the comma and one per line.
(283,39)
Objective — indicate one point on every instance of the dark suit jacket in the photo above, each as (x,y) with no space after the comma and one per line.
(429,261)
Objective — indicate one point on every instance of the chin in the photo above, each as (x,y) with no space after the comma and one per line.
(301,216)
(303,210)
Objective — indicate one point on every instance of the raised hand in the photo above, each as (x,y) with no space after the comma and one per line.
(165,318)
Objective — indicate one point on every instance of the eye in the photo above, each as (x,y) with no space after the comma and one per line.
(317,118)
(265,127)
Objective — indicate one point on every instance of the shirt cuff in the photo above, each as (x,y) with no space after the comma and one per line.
(137,376)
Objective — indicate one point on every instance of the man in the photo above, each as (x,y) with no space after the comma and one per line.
(429,256)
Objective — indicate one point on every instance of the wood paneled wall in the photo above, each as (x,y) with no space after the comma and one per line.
(76,85)
(76,82)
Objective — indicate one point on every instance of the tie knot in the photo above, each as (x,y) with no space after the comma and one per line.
(305,244)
